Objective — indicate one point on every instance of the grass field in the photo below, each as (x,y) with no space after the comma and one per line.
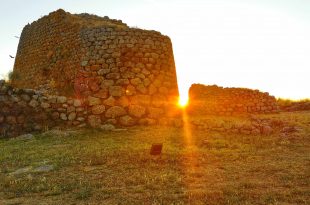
(196,167)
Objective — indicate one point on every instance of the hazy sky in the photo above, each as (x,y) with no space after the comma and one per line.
(261,44)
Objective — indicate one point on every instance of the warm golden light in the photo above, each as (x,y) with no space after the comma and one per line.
(183,101)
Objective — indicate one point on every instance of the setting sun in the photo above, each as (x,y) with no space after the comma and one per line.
(183,101)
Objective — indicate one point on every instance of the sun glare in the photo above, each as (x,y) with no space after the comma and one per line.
(183,101)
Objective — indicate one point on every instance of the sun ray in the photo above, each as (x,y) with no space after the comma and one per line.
(183,101)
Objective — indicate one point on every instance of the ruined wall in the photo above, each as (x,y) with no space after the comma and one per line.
(100,61)
(288,105)
(229,101)
(26,110)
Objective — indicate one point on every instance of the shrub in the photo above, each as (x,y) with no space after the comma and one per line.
(12,76)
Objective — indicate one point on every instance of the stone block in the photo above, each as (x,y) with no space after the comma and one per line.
(72,116)
(45,105)
(102,93)
(33,103)
(116,91)
(123,101)
(61,99)
(77,103)
(98,109)
(136,111)
(115,111)
(63,116)
(110,101)
(93,101)
(113,76)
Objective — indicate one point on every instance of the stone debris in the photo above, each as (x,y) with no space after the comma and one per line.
(24,137)
(43,168)
(30,169)
(59,133)
(21,171)
(107,127)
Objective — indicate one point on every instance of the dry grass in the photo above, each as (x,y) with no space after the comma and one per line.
(95,167)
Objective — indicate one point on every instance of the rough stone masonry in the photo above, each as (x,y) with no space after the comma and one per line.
(120,74)
(82,69)
(86,55)
(214,100)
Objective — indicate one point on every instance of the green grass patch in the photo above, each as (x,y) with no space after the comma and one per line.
(96,167)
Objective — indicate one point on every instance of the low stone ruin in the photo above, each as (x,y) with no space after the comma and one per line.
(229,101)
(27,110)
(294,105)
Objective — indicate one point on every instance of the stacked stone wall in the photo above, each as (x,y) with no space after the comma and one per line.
(27,110)
(117,70)
(294,106)
(229,101)
(47,54)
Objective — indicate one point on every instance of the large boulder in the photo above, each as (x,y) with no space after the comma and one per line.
(115,111)
(98,109)
(116,91)
(136,110)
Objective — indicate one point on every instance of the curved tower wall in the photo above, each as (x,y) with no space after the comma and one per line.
(119,73)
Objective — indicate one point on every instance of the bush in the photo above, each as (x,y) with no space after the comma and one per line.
(12,76)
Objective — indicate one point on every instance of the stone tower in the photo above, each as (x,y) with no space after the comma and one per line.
(81,53)
(96,58)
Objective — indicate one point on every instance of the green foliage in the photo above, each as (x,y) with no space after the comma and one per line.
(10,75)
(13,76)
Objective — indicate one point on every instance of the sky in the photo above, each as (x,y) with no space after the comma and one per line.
(258,44)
